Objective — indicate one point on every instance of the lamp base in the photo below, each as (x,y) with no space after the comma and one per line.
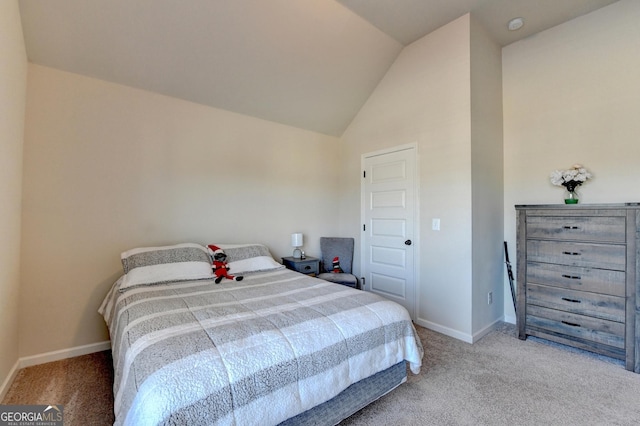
(297,253)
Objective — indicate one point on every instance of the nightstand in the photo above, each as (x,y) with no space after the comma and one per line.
(308,265)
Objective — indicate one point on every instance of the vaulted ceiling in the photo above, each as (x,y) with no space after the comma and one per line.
(306,63)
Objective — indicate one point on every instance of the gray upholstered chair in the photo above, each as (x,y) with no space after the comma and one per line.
(332,247)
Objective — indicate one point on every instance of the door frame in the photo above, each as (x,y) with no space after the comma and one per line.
(416,215)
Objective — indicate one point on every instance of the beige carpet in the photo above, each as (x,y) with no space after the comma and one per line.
(500,380)
(84,385)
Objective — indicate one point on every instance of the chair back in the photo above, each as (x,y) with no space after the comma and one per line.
(337,246)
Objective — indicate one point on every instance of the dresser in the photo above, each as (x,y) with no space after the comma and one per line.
(578,277)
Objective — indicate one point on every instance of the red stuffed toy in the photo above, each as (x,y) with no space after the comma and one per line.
(219,264)
(336,266)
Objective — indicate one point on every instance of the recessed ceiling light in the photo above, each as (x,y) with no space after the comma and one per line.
(515,24)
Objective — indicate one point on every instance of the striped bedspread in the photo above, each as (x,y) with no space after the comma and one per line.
(257,351)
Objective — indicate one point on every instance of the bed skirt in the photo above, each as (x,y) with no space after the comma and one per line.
(352,399)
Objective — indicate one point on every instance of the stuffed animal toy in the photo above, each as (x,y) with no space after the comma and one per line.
(336,266)
(219,264)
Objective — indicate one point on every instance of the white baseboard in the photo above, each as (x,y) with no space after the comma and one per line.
(63,354)
(457,334)
(445,330)
(486,330)
(9,380)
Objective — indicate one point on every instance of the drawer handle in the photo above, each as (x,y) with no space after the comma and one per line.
(307,267)
(571,253)
(571,227)
(571,277)
(571,300)
(572,324)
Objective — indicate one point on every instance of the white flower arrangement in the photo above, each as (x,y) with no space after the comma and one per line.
(575,176)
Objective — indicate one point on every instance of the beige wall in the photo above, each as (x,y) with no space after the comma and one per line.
(486,179)
(425,99)
(108,168)
(13,86)
(572,95)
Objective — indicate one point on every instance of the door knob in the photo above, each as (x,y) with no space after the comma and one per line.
(408,242)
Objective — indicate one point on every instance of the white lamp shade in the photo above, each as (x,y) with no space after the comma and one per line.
(296,239)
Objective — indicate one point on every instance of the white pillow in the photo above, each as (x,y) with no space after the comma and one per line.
(157,265)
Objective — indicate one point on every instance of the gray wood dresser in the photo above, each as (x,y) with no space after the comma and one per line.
(578,277)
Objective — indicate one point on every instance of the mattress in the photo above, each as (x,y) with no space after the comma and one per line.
(262,350)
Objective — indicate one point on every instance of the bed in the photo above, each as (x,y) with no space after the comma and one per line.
(278,347)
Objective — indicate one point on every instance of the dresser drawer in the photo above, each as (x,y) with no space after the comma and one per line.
(603,281)
(588,228)
(577,326)
(578,302)
(603,256)
(308,266)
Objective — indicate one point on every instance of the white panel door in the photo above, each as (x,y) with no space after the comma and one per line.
(389,209)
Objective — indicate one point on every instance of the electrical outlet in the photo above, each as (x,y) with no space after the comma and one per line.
(489,298)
